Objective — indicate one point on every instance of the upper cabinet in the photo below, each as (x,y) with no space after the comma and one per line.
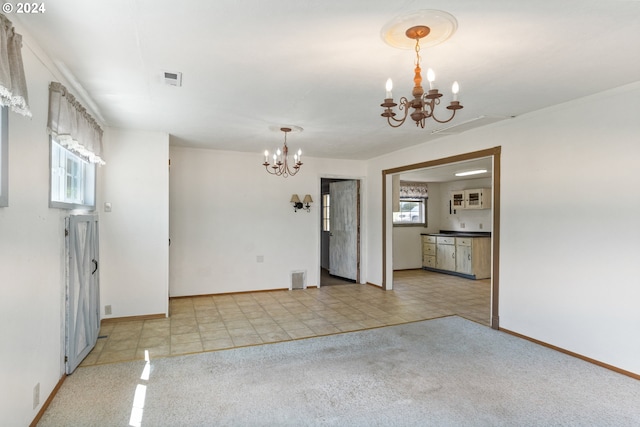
(479,198)
(457,199)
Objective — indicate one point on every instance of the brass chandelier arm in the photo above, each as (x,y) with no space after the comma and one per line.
(279,170)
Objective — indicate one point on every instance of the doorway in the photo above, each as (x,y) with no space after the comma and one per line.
(340,231)
(387,226)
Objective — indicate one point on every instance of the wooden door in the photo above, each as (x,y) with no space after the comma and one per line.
(82,290)
(343,240)
(463,259)
(446,257)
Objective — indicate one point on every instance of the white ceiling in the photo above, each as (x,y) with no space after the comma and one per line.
(251,65)
(446,172)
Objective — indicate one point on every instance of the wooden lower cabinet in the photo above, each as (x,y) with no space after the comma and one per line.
(446,253)
(463,256)
(429,251)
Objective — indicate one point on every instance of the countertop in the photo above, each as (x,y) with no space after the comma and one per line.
(447,233)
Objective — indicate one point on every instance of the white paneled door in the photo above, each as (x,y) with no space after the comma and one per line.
(343,240)
(83,289)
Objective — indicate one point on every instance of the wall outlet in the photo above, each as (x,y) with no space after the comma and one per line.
(480,226)
(36,396)
(462,225)
(107,309)
(260,258)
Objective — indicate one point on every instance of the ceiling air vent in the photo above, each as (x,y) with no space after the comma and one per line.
(172,79)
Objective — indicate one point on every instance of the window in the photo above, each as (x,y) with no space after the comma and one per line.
(4,157)
(325,213)
(73,179)
(412,212)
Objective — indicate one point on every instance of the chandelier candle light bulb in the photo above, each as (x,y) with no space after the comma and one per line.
(455,88)
(389,86)
(431,77)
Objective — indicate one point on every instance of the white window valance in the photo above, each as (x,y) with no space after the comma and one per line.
(13,84)
(413,190)
(72,126)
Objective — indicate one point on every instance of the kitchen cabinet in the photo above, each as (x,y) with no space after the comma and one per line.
(429,251)
(457,199)
(466,256)
(479,198)
(445,253)
(463,255)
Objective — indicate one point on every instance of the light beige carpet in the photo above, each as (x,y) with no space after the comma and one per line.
(442,372)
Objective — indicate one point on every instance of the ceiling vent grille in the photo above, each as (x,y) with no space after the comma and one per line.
(172,79)
(468,124)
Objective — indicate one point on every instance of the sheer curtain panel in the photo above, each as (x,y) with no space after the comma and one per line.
(72,126)
(13,85)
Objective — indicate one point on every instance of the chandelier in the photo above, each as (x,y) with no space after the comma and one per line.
(423,104)
(280,165)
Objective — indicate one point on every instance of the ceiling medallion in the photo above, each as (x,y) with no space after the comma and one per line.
(280,165)
(434,26)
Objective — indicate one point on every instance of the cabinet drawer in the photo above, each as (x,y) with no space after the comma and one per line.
(463,241)
(429,249)
(446,240)
(428,239)
(428,261)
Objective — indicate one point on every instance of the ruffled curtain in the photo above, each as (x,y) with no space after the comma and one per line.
(413,190)
(13,84)
(72,126)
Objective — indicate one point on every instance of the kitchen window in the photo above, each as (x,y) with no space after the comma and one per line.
(412,212)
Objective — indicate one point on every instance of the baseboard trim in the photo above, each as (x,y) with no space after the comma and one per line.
(134,318)
(576,355)
(374,285)
(46,404)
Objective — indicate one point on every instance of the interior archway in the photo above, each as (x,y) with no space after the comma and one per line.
(387,247)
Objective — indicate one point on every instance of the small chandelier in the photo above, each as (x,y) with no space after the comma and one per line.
(280,165)
(423,104)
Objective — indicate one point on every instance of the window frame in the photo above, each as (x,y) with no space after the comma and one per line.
(4,156)
(326,212)
(87,180)
(423,203)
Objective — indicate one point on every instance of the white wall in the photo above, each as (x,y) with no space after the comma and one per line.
(407,241)
(569,222)
(31,260)
(134,236)
(475,220)
(226,211)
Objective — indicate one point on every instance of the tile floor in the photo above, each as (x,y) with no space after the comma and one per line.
(206,323)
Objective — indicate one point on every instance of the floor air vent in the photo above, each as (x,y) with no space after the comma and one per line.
(298,280)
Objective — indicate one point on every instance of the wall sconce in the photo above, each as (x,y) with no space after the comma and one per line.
(305,204)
